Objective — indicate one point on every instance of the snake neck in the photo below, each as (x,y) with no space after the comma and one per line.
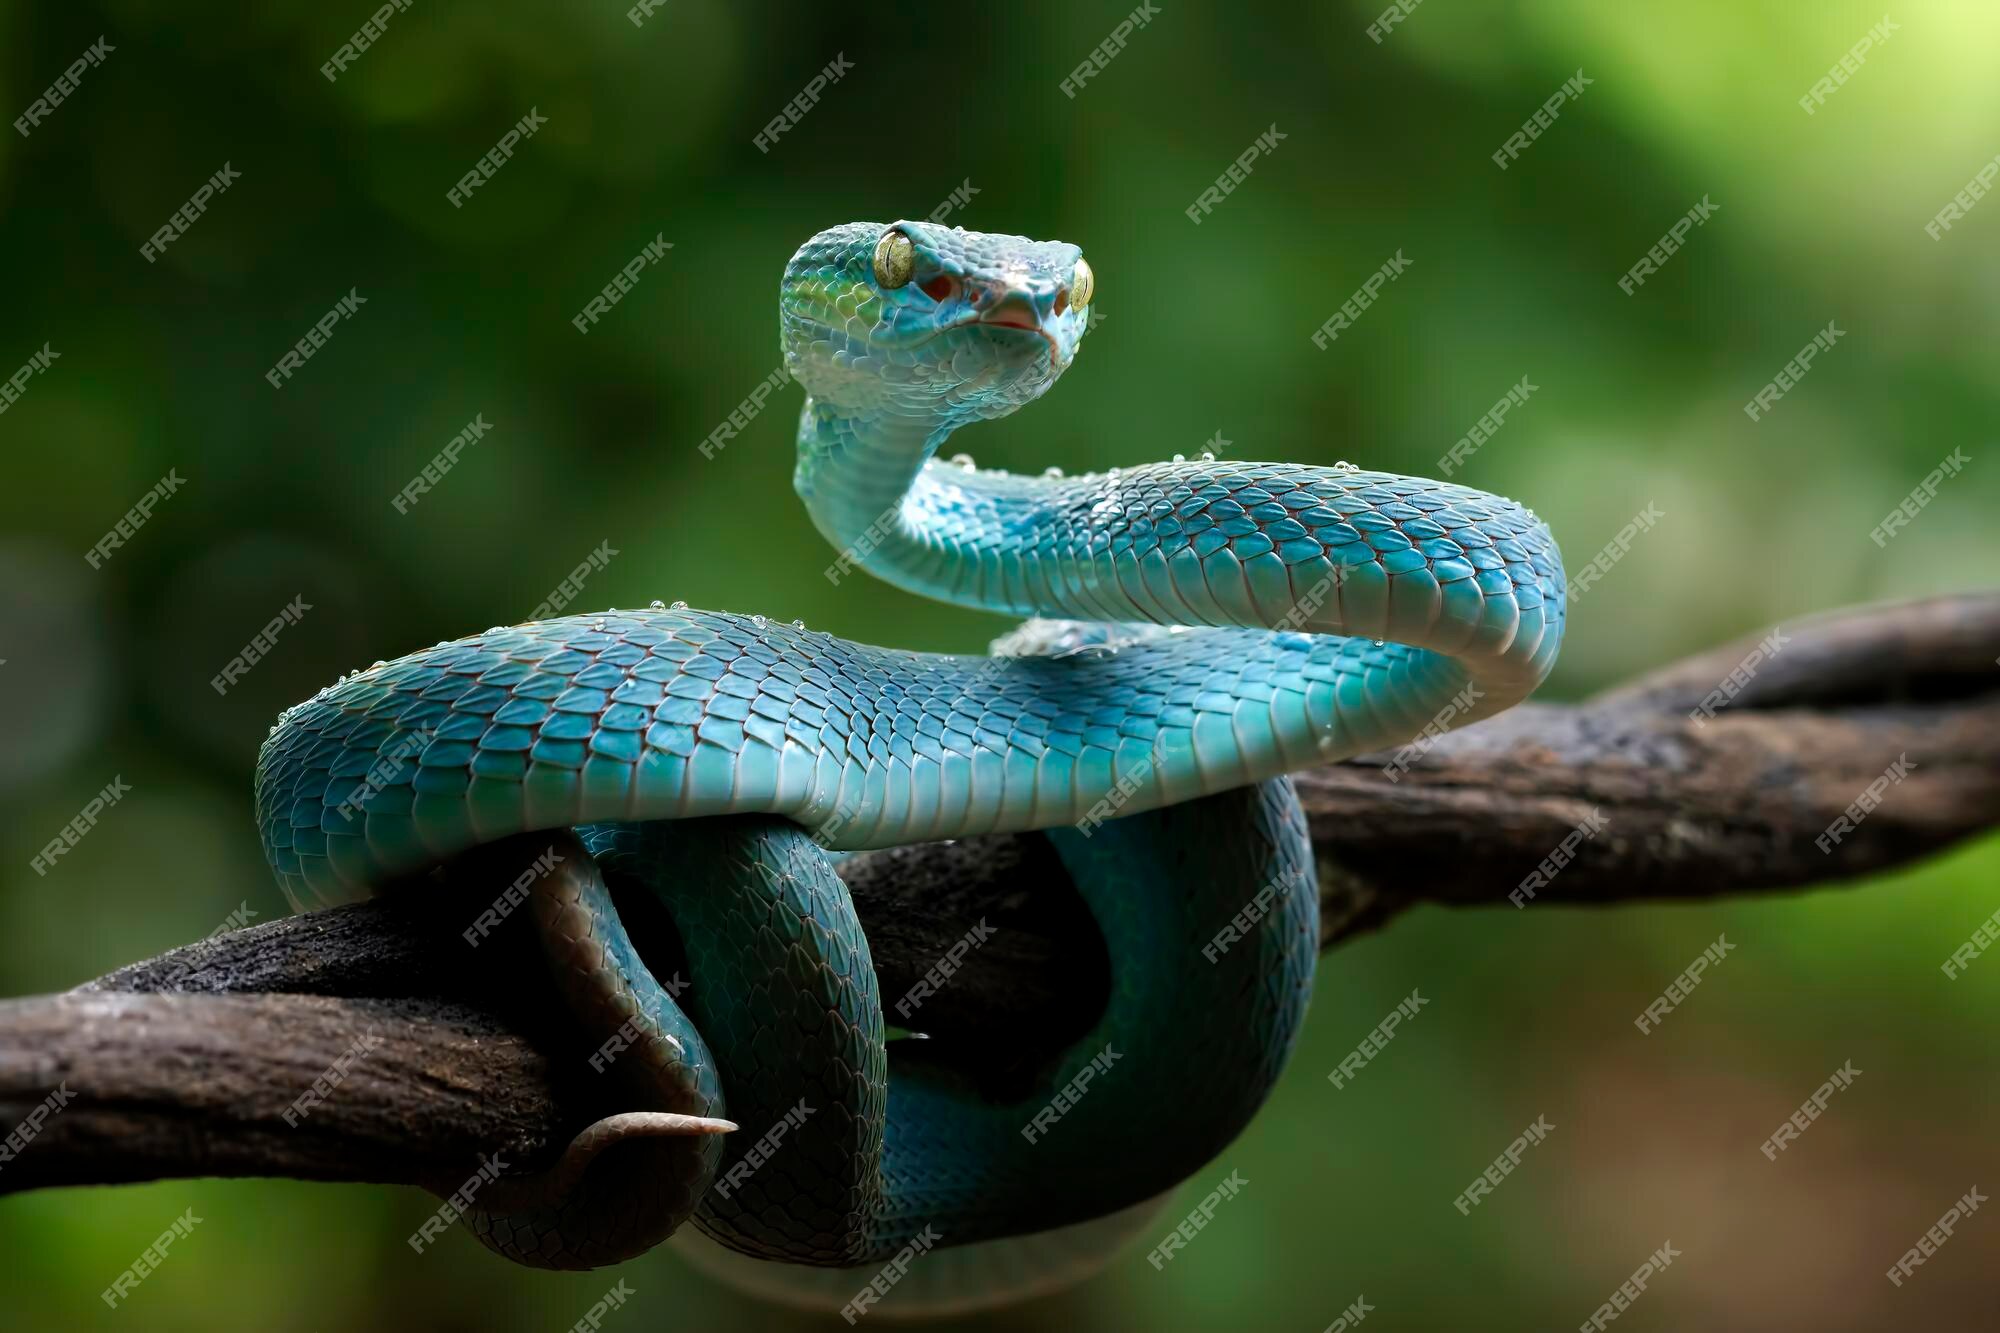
(855,468)
(878,493)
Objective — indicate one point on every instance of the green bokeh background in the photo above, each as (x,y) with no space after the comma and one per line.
(1205,332)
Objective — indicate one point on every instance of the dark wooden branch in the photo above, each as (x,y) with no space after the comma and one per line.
(186,1064)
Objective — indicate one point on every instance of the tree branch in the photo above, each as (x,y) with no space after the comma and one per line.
(188,1063)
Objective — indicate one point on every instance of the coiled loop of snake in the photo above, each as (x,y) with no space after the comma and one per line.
(1210,627)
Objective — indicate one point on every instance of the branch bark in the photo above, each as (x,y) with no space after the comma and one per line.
(187,1064)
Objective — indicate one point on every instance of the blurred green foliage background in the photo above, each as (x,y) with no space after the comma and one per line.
(1205,332)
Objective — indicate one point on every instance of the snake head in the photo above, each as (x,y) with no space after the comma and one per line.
(929,322)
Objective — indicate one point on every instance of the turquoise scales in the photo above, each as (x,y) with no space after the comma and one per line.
(1216,625)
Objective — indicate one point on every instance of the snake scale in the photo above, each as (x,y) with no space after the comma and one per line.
(1199,629)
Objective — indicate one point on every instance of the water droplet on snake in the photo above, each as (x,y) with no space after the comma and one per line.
(962,460)
(1208,455)
(1115,473)
(1052,472)
(1377,642)
(678,606)
(1344,466)
(758,621)
(657,605)
(798,624)
(1180,458)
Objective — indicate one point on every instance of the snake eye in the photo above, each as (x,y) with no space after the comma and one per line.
(895,257)
(1082,285)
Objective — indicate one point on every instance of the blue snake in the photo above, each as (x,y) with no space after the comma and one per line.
(1199,629)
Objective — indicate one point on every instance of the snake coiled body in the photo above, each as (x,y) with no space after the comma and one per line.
(1204,628)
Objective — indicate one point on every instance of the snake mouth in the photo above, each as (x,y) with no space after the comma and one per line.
(1010,317)
(995,320)
(1012,320)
